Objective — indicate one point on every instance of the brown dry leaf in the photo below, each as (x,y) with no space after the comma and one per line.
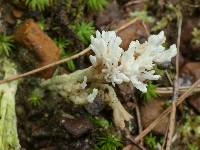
(131,147)
(193,69)
(135,31)
(150,111)
(76,126)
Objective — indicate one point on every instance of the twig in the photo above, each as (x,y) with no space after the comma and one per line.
(165,138)
(12,78)
(169,90)
(138,119)
(126,25)
(169,78)
(176,87)
(134,2)
(146,29)
(167,111)
(131,138)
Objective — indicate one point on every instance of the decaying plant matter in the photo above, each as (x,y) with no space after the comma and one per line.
(8,126)
(111,64)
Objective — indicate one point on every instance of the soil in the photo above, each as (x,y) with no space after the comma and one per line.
(55,124)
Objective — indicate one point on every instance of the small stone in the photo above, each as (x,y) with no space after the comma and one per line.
(77,126)
(95,107)
(193,69)
(126,91)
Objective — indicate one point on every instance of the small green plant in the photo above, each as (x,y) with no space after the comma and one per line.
(143,15)
(42,24)
(5,44)
(97,5)
(38,4)
(151,92)
(193,147)
(70,64)
(62,43)
(84,30)
(196,36)
(35,97)
(100,122)
(190,128)
(108,142)
(150,141)
(170,15)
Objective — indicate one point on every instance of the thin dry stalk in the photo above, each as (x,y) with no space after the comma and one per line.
(169,90)
(169,78)
(131,138)
(12,78)
(83,52)
(134,2)
(167,111)
(176,87)
(165,138)
(146,28)
(138,120)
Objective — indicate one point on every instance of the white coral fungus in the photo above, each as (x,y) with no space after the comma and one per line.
(135,64)
(92,96)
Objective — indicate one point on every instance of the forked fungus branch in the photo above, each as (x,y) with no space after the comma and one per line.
(112,64)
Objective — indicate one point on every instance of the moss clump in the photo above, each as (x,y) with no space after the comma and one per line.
(108,141)
(5,45)
(96,4)
(196,36)
(151,92)
(84,30)
(38,4)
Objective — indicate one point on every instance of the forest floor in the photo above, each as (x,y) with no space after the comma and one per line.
(49,122)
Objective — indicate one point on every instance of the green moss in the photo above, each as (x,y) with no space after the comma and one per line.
(143,15)
(38,4)
(84,30)
(190,127)
(35,97)
(151,92)
(96,4)
(108,141)
(193,147)
(196,36)
(5,45)
(170,15)
(150,141)
(100,122)
(62,43)
(42,24)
